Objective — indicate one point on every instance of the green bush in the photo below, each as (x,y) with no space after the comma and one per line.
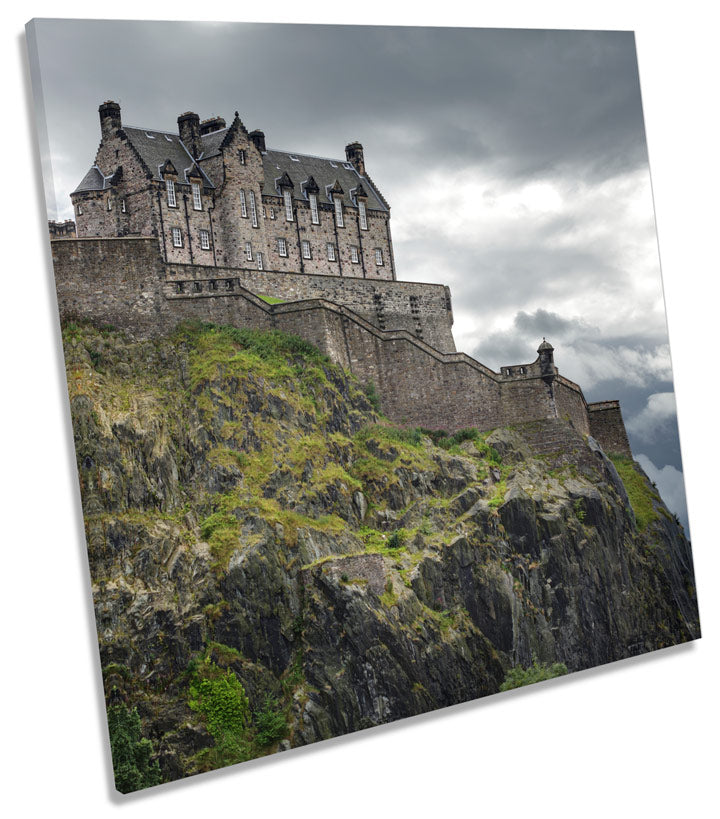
(518,676)
(372,395)
(132,753)
(396,540)
(270,723)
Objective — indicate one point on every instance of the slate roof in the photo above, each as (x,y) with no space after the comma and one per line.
(94,181)
(325,172)
(156,147)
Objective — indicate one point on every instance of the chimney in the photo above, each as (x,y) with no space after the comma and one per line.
(355,156)
(207,126)
(110,122)
(189,129)
(258,138)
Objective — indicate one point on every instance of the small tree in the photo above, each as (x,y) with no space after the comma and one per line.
(133,766)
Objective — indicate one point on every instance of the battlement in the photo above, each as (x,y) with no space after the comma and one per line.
(397,335)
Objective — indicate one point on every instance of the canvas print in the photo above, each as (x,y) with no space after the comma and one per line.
(368,372)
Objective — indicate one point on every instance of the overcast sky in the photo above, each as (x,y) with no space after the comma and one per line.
(514,161)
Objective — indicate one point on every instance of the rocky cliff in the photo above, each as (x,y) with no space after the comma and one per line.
(254,526)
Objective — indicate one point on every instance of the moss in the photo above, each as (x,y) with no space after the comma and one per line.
(642,498)
(271,299)
(499,492)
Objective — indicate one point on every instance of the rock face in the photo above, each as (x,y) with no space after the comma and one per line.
(245,504)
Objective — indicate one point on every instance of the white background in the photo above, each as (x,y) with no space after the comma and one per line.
(635,739)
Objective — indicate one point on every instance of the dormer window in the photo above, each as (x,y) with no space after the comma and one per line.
(363,214)
(170,187)
(197,196)
(253,210)
(243,205)
(314,215)
(347,166)
(337,201)
(168,138)
(287,199)
(149,135)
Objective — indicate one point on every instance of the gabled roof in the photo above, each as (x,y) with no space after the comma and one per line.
(157,147)
(94,181)
(325,172)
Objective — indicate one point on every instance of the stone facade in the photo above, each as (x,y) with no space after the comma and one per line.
(124,282)
(62,230)
(214,195)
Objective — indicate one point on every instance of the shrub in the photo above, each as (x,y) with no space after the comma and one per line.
(518,676)
(396,540)
(270,723)
(133,765)
(372,395)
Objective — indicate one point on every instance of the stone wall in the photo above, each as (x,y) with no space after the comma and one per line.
(124,283)
(608,428)
(424,310)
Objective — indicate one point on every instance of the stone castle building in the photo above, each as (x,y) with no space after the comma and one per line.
(216,195)
(210,224)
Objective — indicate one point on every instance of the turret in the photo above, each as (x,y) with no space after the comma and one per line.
(110,122)
(355,156)
(545,356)
(189,130)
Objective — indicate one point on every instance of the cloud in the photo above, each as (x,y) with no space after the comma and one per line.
(654,420)
(671,486)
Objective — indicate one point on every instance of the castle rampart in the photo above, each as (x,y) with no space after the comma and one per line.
(124,282)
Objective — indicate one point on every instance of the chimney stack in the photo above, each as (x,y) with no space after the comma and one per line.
(189,130)
(355,156)
(258,138)
(110,122)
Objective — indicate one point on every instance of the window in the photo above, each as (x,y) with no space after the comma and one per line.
(338,211)
(354,255)
(177,237)
(248,251)
(123,208)
(293,157)
(149,135)
(306,249)
(264,212)
(378,257)
(253,210)
(241,156)
(314,209)
(282,247)
(363,215)
(331,252)
(347,166)
(168,138)
(287,196)
(243,205)
(259,261)
(272,213)
(170,186)
(204,240)
(80,210)
(197,197)
(109,203)
(333,164)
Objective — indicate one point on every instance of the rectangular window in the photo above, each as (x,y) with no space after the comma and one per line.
(314,209)
(287,196)
(122,206)
(170,186)
(259,261)
(248,251)
(253,210)
(243,205)
(306,249)
(80,210)
(354,256)
(241,156)
(272,213)
(264,212)
(197,197)
(378,257)
(282,247)
(338,211)
(109,203)
(331,252)
(204,240)
(363,215)
(177,237)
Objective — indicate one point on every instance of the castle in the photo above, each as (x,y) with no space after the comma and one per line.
(209,223)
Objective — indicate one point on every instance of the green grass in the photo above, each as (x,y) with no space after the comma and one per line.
(642,498)
(271,299)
